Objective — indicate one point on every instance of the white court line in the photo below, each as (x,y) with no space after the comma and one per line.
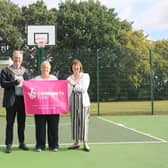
(100,143)
(132,142)
(118,143)
(132,129)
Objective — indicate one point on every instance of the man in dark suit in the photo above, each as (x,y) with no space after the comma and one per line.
(11,79)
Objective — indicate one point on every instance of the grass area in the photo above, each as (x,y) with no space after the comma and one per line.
(124,108)
(129,107)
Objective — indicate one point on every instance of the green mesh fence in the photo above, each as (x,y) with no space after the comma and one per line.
(121,82)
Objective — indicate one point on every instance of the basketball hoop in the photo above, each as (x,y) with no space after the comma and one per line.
(41,42)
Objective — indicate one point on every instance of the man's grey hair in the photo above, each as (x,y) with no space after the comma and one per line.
(17,52)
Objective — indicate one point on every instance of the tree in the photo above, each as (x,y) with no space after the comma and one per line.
(92,33)
(10,17)
(160,66)
(87,25)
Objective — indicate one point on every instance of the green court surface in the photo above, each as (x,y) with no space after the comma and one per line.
(115,141)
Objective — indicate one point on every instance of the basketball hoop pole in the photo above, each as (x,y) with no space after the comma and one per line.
(41,56)
(41,45)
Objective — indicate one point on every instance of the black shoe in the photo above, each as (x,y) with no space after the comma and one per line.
(8,149)
(86,149)
(74,147)
(23,146)
(39,148)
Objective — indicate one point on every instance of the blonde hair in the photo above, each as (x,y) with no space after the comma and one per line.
(46,62)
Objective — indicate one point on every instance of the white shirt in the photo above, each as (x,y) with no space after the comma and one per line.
(82,85)
(52,77)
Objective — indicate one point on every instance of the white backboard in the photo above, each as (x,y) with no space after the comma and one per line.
(41,31)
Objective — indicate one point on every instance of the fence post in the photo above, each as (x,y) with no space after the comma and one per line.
(151,81)
(98,80)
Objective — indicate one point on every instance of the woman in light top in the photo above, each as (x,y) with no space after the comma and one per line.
(51,120)
(79,104)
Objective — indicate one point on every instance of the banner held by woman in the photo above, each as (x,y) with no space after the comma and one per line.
(46,97)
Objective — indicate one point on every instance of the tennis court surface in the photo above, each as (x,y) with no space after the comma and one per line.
(101,130)
(115,141)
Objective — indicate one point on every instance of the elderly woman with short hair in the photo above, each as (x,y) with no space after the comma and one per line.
(51,120)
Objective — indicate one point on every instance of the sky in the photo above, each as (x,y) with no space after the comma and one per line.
(151,16)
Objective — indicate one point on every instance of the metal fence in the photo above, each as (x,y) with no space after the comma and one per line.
(110,90)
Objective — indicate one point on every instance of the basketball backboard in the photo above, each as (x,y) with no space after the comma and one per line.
(46,32)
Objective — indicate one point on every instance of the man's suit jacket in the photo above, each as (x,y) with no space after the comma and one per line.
(8,82)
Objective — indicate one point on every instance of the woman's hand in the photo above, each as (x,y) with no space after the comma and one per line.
(72,82)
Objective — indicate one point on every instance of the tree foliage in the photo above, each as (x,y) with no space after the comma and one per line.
(96,35)
(160,66)
(10,17)
(88,25)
